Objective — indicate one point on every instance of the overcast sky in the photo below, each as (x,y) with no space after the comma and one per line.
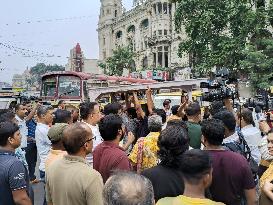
(32,29)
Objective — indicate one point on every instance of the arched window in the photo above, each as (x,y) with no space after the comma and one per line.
(144,24)
(119,34)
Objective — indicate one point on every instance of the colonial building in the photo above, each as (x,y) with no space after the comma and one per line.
(148,28)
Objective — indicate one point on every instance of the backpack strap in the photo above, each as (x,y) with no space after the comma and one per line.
(246,147)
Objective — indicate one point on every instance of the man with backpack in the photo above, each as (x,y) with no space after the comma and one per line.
(232,179)
(234,141)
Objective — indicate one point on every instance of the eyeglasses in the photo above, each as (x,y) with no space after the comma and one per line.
(93,138)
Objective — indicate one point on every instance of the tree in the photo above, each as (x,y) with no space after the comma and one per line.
(40,69)
(258,62)
(217,31)
(121,59)
(228,34)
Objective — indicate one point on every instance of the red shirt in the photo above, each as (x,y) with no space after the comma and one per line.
(108,157)
(230,177)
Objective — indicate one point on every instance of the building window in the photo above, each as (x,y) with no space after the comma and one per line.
(165,32)
(170,9)
(108,11)
(159,5)
(103,40)
(165,8)
(160,32)
(166,56)
(154,8)
(116,13)
(154,33)
(144,24)
(160,56)
(104,54)
(145,62)
(119,34)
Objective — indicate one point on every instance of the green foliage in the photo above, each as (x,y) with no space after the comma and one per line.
(122,58)
(218,34)
(40,69)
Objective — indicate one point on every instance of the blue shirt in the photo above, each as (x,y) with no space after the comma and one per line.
(13,176)
(31,125)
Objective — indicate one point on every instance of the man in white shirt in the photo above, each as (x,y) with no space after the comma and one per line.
(91,115)
(21,112)
(45,119)
(251,134)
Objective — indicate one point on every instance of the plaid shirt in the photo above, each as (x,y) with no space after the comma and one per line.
(31,124)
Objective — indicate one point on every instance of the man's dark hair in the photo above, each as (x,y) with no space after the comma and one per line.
(7,129)
(128,188)
(109,127)
(161,113)
(7,116)
(172,143)
(60,102)
(26,102)
(175,109)
(166,102)
(213,130)
(216,106)
(17,107)
(247,116)
(195,164)
(193,109)
(180,123)
(86,109)
(62,116)
(74,137)
(132,113)
(112,108)
(227,118)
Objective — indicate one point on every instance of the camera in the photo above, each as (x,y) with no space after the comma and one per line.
(220,89)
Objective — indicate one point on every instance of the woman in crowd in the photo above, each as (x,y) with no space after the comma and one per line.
(266,181)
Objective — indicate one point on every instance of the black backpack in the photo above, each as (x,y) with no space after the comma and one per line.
(243,149)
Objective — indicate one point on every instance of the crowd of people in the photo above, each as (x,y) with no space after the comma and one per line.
(130,154)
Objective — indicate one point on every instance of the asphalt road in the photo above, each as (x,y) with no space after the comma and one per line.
(38,188)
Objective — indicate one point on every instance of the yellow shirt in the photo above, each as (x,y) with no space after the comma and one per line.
(54,155)
(267,175)
(149,154)
(183,200)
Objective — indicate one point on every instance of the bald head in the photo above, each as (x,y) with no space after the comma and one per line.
(75,136)
(127,188)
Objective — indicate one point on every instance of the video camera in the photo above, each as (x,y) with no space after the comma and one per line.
(221,88)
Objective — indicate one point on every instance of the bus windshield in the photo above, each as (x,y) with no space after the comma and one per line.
(49,86)
(69,86)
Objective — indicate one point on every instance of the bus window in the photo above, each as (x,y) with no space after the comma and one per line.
(49,86)
(69,86)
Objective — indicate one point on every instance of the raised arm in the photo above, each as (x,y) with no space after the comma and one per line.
(150,103)
(138,106)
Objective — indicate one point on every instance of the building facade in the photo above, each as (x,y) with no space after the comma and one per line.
(77,62)
(148,28)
